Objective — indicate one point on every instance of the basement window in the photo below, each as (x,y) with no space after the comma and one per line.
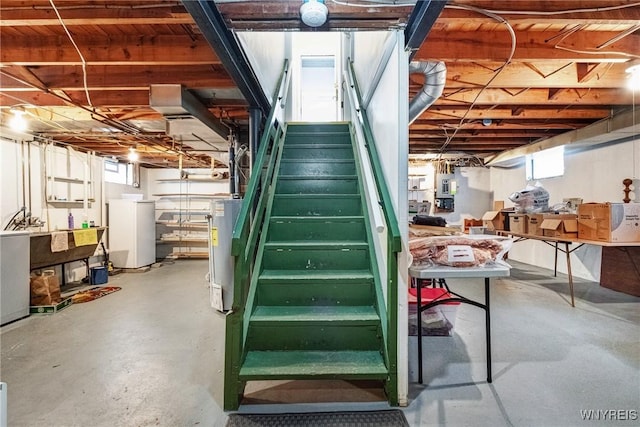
(545,164)
(118,173)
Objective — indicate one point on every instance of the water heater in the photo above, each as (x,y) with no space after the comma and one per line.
(224,213)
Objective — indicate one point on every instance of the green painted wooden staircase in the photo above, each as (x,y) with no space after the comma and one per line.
(313,307)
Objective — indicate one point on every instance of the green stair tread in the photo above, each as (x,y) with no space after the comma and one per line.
(317,160)
(325,218)
(316,275)
(322,145)
(313,364)
(317,177)
(305,313)
(292,131)
(318,196)
(316,244)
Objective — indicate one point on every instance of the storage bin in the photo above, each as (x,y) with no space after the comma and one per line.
(99,275)
(436,321)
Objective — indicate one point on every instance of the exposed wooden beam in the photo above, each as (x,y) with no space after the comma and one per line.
(119,50)
(500,124)
(556,74)
(505,112)
(423,135)
(494,46)
(581,97)
(111,98)
(101,77)
(627,16)
(462,146)
(95,16)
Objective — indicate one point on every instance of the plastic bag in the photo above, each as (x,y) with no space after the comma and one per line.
(459,251)
(45,288)
(531,199)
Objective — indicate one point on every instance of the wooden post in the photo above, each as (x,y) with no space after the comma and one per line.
(627,183)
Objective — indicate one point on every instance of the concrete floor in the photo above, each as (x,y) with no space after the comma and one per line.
(152,354)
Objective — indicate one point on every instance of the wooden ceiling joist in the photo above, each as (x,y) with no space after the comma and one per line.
(100,50)
(494,46)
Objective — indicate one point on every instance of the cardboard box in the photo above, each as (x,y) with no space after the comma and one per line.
(518,223)
(498,205)
(534,221)
(497,220)
(491,220)
(560,226)
(609,222)
(50,309)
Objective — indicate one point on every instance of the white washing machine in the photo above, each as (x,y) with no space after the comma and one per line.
(14,275)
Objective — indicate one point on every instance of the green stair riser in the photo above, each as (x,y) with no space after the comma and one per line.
(263,365)
(316,314)
(315,259)
(316,231)
(319,152)
(317,186)
(314,205)
(319,293)
(311,138)
(317,128)
(313,336)
(317,168)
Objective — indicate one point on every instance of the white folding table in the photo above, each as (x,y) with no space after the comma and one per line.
(444,272)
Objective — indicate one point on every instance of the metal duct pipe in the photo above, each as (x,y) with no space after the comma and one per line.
(435,76)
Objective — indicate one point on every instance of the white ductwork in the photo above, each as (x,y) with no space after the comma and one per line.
(435,76)
(190,122)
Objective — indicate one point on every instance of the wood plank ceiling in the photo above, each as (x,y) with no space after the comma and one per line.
(517,71)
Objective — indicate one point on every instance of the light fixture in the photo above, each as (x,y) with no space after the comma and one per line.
(133,155)
(18,122)
(634,77)
(314,12)
(487,122)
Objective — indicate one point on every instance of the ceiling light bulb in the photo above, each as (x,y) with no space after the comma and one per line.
(634,77)
(18,122)
(133,155)
(314,12)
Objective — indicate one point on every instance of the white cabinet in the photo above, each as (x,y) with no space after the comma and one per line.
(132,233)
(14,275)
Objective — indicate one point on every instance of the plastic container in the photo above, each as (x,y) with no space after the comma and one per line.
(436,321)
(70,223)
(99,275)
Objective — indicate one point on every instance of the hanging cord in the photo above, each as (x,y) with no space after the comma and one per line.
(84,63)
(497,72)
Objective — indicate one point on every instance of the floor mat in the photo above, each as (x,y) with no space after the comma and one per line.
(93,293)
(387,418)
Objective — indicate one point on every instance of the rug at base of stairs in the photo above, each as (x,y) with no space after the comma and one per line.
(93,293)
(385,418)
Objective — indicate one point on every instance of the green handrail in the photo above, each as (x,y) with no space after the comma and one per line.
(394,244)
(244,243)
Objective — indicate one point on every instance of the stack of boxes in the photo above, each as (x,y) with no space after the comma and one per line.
(603,222)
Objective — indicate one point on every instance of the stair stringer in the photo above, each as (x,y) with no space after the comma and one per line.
(380,301)
(250,306)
